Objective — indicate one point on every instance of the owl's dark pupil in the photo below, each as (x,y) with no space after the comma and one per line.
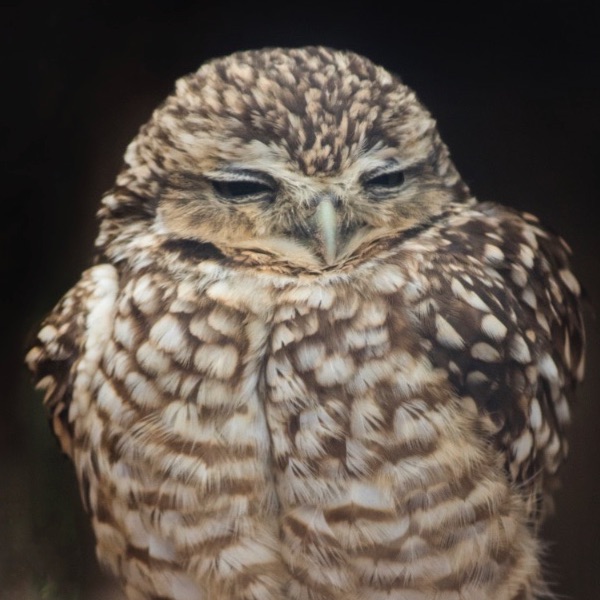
(388,180)
(239,189)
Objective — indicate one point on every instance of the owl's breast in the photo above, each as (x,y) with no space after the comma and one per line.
(289,428)
(385,483)
(174,454)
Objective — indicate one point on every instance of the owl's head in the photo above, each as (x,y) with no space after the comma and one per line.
(302,157)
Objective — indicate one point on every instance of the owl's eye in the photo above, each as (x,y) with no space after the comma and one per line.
(384,181)
(242,188)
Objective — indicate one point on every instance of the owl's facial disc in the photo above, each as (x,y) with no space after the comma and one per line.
(263,204)
(320,219)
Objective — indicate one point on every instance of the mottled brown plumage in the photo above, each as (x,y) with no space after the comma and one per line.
(308,364)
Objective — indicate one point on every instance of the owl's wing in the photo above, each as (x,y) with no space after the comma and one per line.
(71,337)
(505,322)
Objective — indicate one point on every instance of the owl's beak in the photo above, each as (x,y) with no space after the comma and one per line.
(326,223)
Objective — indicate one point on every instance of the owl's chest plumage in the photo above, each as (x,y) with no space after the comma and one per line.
(280,437)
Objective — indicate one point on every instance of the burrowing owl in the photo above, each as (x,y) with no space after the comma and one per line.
(308,364)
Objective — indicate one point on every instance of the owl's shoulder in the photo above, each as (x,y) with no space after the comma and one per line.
(498,308)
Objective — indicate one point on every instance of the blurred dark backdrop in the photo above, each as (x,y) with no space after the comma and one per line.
(516,92)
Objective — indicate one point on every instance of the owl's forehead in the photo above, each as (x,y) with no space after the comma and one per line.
(319,108)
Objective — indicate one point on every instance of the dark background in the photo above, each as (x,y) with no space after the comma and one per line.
(515,90)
